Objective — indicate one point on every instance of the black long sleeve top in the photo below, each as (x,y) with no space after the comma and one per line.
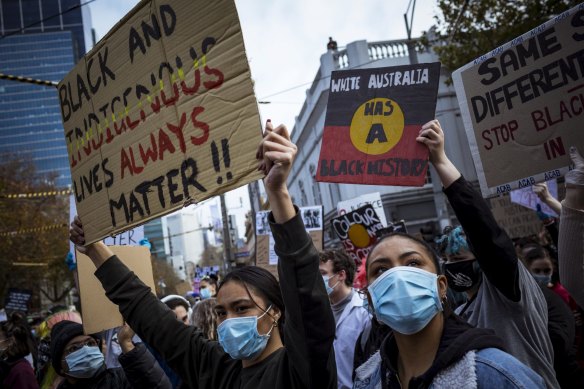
(307,361)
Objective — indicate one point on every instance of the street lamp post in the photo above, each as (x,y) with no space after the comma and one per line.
(227,251)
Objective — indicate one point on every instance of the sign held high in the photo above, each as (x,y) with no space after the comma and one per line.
(160,114)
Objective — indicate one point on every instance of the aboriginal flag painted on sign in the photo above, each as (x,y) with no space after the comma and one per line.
(373,118)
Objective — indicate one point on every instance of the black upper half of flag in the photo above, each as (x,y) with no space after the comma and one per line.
(413,87)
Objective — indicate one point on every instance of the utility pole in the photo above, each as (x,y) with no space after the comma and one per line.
(253,189)
(227,252)
(411,44)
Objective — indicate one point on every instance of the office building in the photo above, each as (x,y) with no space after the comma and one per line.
(40,40)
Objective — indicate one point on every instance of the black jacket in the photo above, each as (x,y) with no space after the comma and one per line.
(108,378)
(307,361)
(458,338)
(139,370)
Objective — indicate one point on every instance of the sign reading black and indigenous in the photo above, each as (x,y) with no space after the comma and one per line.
(17,300)
(358,231)
(372,120)
(161,113)
(523,105)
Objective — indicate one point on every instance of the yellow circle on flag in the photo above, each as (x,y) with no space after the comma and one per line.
(359,236)
(377,126)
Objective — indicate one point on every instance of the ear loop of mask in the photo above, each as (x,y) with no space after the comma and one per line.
(275,323)
(335,285)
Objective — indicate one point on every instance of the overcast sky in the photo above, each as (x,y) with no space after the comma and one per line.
(284,39)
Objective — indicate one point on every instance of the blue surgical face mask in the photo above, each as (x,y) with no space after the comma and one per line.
(205,293)
(85,362)
(240,339)
(329,289)
(542,279)
(405,298)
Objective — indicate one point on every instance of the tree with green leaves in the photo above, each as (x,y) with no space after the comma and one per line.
(467,29)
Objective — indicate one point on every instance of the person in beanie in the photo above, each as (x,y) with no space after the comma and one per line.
(78,358)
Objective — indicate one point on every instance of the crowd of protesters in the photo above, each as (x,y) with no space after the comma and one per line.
(474,309)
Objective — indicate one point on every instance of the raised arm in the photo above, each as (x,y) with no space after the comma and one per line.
(183,348)
(491,245)
(571,239)
(541,190)
(140,367)
(310,327)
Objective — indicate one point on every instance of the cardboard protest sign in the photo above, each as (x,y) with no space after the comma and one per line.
(17,300)
(516,220)
(372,120)
(265,254)
(160,114)
(529,199)
(522,105)
(357,230)
(312,218)
(99,313)
(130,237)
(371,198)
(263,251)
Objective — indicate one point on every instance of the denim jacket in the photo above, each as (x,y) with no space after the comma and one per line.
(488,368)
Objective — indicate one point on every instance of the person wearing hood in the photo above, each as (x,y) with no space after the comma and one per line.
(271,335)
(78,358)
(481,261)
(429,346)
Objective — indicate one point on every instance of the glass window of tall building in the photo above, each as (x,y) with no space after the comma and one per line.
(30,117)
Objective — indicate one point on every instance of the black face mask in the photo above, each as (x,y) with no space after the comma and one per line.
(462,275)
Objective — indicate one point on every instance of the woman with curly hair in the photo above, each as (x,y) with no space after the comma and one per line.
(205,318)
